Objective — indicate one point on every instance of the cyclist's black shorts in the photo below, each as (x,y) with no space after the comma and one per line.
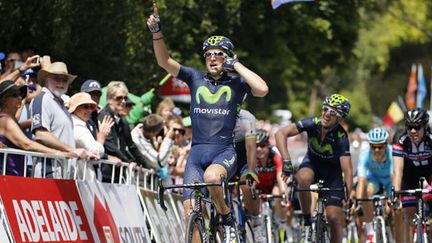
(331,173)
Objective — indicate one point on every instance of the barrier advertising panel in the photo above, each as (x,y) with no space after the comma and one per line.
(163,224)
(114,212)
(44,210)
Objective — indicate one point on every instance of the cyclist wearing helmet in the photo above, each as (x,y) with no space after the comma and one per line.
(245,145)
(374,171)
(412,159)
(270,174)
(327,157)
(215,94)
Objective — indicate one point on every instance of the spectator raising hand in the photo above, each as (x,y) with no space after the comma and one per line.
(104,128)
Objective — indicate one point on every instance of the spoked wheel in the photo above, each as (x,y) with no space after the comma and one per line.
(196,224)
(321,233)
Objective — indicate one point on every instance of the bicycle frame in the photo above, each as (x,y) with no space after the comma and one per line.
(420,221)
(319,225)
(267,214)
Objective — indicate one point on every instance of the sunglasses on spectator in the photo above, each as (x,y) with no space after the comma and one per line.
(332,112)
(95,93)
(120,98)
(12,60)
(378,146)
(180,130)
(87,106)
(415,127)
(217,54)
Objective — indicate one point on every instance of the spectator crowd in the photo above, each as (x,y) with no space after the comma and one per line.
(37,114)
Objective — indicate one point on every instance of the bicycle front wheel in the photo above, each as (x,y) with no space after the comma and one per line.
(420,235)
(378,232)
(321,233)
(196,226)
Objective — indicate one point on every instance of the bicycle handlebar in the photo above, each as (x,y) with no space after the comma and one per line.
(270,197)
(373,198)
(195,185)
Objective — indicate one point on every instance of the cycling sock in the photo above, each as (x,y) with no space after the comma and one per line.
(307,220)
(227,219)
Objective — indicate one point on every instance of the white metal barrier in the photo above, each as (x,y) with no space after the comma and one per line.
(64,168)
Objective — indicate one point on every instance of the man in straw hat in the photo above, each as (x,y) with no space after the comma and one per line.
(51,122)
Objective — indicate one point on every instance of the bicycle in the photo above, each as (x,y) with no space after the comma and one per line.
(420,221)
(320,232)
(378,221)
(350,233)
(208,233)
(272,235)
(244,226)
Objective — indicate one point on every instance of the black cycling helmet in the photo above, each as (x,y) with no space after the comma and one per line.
(262,136)
(416,117)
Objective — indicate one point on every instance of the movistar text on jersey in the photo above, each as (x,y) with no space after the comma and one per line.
(211,111)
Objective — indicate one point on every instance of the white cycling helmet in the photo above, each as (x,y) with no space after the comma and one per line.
(377,136)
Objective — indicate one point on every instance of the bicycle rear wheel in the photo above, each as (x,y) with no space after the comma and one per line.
(196,223)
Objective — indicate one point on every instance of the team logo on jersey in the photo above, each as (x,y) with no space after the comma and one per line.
(317,120)
(325,148)
(228,163)
(211,98)
(340,134)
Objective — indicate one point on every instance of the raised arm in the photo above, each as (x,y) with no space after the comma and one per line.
(160,49)
(258,85)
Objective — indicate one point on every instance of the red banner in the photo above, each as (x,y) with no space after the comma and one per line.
(175,89)
(44,210)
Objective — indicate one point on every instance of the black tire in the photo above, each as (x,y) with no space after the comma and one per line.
(419,234)
(321,234)
(196,222)
(378,232)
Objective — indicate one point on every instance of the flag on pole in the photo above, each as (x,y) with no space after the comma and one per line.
(277,3)
(421,89)
(410,99)
(394,114)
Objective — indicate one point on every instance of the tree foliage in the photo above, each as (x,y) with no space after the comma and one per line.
(304,51)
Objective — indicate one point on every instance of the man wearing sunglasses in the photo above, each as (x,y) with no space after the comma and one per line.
(412,159)
(216,94)
(374,171)
(327,158)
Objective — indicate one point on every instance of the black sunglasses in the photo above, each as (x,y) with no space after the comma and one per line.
(88,106)
(415,127)
(180,130)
